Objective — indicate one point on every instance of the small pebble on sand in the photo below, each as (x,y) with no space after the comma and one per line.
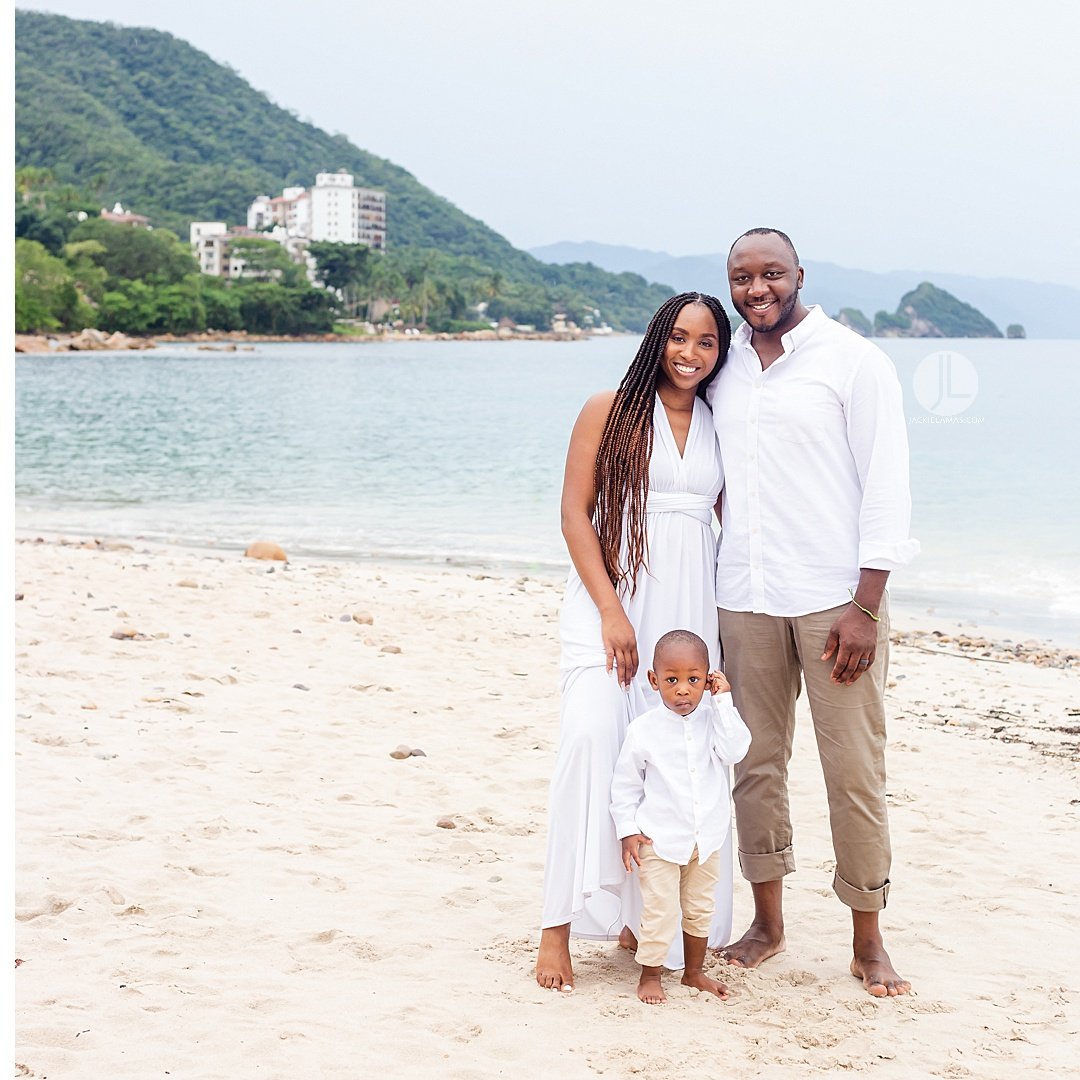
(446,823)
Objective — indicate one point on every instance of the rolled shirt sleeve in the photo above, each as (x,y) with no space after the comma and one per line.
(877,435)
(731,737)
(627,786)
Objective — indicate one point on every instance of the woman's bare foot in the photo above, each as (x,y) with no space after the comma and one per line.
(649,988)
(700,981)
(627,940)
(755,946)
(554,971)
(871,963)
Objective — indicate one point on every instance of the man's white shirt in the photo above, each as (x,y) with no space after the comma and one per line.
(671,778)
(815,459)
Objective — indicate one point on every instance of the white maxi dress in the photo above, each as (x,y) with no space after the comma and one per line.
(585,883)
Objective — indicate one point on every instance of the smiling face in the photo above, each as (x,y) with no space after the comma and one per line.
(692,349)
(681,674)
(765,280)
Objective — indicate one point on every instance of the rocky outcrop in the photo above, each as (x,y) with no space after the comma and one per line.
(88,340)
(264,549)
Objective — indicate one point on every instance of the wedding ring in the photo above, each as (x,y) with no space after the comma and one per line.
(864,663)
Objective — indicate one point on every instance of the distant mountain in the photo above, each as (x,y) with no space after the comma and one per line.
(1044,310)
(141,117)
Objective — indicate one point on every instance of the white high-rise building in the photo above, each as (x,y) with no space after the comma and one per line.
(344,214)
(334,210)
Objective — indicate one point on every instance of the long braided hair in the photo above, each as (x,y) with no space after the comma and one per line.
(622,460)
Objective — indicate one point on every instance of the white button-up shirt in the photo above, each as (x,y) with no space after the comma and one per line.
(671,780)
(816,470)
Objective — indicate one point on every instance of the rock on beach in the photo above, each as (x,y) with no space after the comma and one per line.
(264,549)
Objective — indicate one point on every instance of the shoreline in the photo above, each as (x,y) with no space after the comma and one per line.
(224,855)
(92,340)
(910,617)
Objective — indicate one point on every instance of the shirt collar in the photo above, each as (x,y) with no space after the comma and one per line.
(795,336)
(690,715)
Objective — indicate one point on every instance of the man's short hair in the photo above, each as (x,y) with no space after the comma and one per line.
(767,232)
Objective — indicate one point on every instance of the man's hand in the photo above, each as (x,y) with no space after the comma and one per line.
(853,638)
(631,850)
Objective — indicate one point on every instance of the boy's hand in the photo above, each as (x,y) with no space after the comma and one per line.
(631,850)
(718,684)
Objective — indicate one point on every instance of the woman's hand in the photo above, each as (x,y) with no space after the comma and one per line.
(620,644)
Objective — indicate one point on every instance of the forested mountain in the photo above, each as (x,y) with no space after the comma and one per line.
(142,117)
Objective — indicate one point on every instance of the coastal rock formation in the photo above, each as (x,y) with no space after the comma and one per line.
(932,312)
(925,312)
(88,340)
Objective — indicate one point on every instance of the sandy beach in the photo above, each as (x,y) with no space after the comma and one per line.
(222,872)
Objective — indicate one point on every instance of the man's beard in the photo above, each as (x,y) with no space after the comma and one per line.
(786,309)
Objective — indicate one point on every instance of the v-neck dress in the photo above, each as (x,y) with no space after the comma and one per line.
(585,883)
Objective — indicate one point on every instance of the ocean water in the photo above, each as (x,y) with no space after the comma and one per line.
(453,452)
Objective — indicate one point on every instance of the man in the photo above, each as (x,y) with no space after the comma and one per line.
(815,515)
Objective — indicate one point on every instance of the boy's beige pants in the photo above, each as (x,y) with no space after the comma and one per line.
(670,892)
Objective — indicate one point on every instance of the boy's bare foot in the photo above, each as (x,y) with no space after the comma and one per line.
(554,971)
(627,939)
(649,988)
(871,963)
(755,946)
(700,981)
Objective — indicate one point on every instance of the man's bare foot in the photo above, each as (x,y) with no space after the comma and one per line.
(871,963)
(554,971)
(755,946)
(627,939)
(700,981)
(649,988)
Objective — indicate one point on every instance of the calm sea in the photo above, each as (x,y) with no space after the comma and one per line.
(453,452)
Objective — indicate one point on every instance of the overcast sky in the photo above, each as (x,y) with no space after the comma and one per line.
(926,135)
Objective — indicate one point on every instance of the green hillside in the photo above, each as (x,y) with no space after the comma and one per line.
(142,117)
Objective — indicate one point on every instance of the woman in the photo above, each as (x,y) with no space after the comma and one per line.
(643,473)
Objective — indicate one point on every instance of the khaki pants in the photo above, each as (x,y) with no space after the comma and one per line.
(670,891)
(763,658)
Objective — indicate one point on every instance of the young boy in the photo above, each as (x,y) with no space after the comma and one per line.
(671,803)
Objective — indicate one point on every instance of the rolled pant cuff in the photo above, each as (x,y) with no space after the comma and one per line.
(770,866)
(860,899)
(653,956)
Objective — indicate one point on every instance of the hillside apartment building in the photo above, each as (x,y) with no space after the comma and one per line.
(334,210)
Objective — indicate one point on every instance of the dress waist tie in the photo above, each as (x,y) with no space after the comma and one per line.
(681,502)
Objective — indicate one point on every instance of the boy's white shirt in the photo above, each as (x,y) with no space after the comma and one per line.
(671,778)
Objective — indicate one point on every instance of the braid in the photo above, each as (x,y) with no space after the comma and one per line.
(622,460)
